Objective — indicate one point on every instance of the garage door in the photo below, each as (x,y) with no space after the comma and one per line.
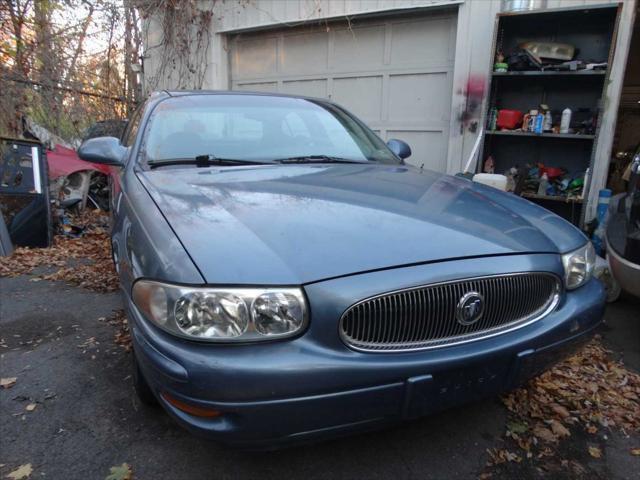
(394,73)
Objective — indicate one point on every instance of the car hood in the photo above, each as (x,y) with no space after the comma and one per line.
(296,224)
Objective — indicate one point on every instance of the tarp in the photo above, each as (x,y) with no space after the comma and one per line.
(64,161)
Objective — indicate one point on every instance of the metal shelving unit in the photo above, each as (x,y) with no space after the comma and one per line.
(551,73)
(512,133)
(591,31)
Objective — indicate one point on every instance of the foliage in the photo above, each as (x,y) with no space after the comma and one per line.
(66,63)
(180,56)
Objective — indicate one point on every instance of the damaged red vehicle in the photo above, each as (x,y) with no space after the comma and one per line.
(75,182)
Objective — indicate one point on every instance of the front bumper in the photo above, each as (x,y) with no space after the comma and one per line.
(314,387)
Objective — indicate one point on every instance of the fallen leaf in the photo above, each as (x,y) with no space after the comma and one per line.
(560,410)
(517,427)
(635,451)
(560,430)
(120,472)
(31,407)
(595,452)
(8,382)
(23,471)
(545,434)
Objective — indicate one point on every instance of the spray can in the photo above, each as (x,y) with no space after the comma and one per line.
(565,122)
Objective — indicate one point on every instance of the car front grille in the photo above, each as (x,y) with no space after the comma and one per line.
(432,316)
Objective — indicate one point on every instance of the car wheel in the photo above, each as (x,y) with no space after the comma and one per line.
(142,388)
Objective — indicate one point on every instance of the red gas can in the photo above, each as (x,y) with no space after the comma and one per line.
(509,119)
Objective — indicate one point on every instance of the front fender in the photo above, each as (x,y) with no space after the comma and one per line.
(144,245)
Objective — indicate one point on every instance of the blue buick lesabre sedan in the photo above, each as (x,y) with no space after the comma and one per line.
(288,277)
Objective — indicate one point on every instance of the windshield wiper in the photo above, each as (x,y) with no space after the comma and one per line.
(317,159)
(202,161)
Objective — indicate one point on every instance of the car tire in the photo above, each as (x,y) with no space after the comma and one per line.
(142,388)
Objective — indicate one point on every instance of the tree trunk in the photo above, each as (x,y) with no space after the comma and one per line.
(43,66)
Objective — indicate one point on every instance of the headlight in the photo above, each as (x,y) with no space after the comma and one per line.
(222,314)
(578,266)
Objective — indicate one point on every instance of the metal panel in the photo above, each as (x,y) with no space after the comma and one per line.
(395,73)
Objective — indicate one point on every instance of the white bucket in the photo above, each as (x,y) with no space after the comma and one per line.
(494,180)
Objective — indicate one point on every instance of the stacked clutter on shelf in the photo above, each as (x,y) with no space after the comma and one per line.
(541,120)
(540,181)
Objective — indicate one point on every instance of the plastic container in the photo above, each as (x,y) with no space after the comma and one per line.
(565,122)
(604,197)
(509,119)
(544,183)
(494,180)
(539,123)
(501,67)
(548,122)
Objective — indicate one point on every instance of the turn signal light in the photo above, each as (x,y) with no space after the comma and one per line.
(191,409)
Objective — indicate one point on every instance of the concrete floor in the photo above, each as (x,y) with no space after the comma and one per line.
(88,419)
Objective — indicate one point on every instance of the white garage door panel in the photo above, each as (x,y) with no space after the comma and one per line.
(433,37)
(305,52)
(359,48)
(309,88)
(427,148)
(417,98)
(393,73)
(362,95)
(255,57)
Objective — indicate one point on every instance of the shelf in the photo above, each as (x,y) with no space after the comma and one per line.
(553,198)
(511,133)
(550,73)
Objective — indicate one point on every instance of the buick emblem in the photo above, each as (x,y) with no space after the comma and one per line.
(470,308)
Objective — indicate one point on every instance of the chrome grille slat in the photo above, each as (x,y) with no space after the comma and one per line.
(425,317)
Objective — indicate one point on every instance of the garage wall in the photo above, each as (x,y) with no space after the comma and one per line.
(396,74)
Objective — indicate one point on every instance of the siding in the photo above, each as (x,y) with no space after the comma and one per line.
(234,15)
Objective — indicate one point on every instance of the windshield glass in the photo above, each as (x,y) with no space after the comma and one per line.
(257,128)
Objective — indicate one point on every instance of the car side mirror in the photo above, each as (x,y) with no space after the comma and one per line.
(399,147)
(103,150)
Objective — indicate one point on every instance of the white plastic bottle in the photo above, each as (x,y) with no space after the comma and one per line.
(547,122)
(544,183)
(565,122)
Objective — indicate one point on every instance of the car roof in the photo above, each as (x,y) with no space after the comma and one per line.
(180,93)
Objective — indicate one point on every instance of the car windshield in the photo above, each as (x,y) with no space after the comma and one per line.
(258,128)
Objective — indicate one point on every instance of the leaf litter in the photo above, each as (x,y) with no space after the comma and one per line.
(83,261)
(589,391)
(123,333)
